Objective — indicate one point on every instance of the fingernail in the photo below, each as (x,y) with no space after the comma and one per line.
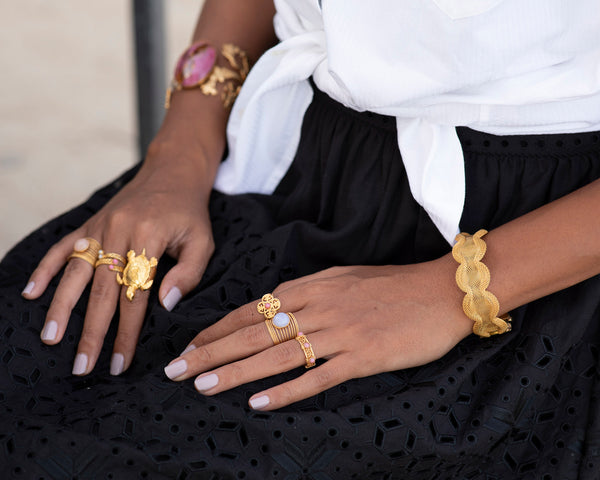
(189,348)
(176,369)
(170,299)
(28,289)
(80,364)
(49,331)
(206,382)
(259,402)
(116,364)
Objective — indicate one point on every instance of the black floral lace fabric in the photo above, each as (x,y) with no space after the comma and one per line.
(524,405)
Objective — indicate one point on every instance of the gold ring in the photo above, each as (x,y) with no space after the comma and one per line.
(138,273)
(268,306)
(86,249)
(311,360)
(114,261)
(282,327)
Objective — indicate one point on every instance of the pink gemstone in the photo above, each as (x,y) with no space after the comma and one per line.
(115,261)
(312,360)
(198,66)
(300,334)
(267,305)
(110,267)
(306,345)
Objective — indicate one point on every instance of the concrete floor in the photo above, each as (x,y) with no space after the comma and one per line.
(67,102)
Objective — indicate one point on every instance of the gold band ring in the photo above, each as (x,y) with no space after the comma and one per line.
(282,327)
(311,360)
(268,306)
(138,274)
(114,261)
(86,249)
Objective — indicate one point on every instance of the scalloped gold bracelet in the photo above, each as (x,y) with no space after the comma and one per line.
(473,277)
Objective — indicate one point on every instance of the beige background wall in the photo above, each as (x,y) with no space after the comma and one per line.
(67,102)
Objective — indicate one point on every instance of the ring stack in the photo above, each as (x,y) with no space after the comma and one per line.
(311,360)
(86,249)
(282,327)
(114,261)
(268,306)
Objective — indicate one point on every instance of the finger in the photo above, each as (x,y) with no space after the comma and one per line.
(313,382)
(50,265)
(186,275)
(74,280)
(277,359)
(132,314)
(244,316)
(101,308)
(240,344)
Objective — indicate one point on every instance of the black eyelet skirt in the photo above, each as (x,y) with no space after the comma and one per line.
(521,405)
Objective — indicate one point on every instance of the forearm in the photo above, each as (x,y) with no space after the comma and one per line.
(194,126)
(542,252)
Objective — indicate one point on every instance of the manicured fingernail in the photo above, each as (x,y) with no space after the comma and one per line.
(189,348)
(170,299)
(205,382)
(28,289)
(116,364)
(80,364)
(176,369)
(259,402)
(49,331)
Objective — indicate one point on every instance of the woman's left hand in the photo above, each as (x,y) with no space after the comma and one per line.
(364,320)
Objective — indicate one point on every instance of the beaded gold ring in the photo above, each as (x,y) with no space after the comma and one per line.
(307,349)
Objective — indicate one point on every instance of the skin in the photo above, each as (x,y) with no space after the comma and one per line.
(363,319)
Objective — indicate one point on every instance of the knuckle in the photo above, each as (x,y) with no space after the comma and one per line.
(255,335)
(323,378)
(100,291)
(236,374)
(144,230)
(202,355)
(286,354)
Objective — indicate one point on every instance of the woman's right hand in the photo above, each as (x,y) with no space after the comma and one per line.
(164,209)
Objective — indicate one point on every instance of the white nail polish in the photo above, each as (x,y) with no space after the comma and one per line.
(205,382)
(259,402)
(50,330)
(176,369)
(28,289)
(80,364)
(189,348)
(116,364)
(170,299)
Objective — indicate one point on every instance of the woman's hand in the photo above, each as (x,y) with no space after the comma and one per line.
(162,210)
(363,320)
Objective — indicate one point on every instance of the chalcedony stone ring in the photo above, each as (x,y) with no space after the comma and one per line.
(282,327)
(268,306)
(86,249)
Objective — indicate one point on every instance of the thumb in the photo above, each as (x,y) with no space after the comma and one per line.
(186,275)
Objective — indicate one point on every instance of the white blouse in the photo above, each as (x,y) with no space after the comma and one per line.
(499,66)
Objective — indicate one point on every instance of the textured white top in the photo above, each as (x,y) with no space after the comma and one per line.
(499,66)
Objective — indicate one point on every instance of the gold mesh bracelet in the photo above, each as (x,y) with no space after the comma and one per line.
(473,277)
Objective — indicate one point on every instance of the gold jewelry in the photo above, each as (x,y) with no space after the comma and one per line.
(232,78)
(86,249)
(282,327)
(307,349)
(473,277)
(138,273)
(112,260)
(268,305)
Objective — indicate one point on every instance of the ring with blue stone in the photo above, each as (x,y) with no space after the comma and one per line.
(282,327)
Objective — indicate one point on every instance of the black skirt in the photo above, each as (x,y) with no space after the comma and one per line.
(521,405)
